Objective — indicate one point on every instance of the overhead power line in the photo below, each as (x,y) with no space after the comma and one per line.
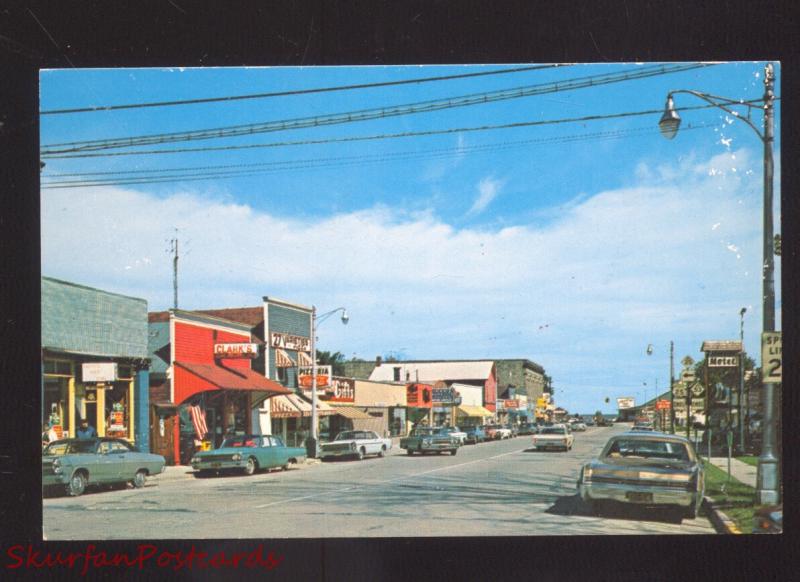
(367,114)
(296,92)
(408,134)
(190,174)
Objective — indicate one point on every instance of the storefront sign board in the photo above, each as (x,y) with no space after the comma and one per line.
(99,371)
(238,350)
(342,390)
(289,342)
(723,361)
(625,403)
(419,395)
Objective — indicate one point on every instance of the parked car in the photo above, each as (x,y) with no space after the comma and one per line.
(527,429)
(455,432)
(642,428)
(498,432)
(513,429)
(475,434)
(77,464)
(355,443)
(429,440)
(247,454)
(645,469)
(578,426)
(553,437)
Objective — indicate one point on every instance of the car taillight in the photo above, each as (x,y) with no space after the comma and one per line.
(587,473)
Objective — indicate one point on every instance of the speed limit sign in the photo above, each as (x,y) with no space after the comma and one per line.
(772,356)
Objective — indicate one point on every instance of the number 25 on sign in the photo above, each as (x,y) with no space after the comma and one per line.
(772,356)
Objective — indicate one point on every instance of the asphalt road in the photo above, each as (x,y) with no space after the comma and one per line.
(500,488)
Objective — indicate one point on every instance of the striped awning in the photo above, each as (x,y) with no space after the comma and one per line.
(282,407)
(283,360)
(350,412)
(304,359)
(305,407)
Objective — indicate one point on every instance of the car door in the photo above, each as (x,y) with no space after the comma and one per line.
(127,460)
(105,467)
(373,442)
(271,452)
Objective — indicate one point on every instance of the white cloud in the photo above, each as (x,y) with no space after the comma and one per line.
(617,270)
(488,189)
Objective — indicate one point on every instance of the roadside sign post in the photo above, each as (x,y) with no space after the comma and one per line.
(729,438)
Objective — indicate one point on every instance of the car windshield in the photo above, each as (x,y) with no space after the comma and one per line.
(648,449)
(553,430)
(59,448)
(240,441)
(423,431)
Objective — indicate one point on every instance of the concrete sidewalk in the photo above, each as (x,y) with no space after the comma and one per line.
(740,471)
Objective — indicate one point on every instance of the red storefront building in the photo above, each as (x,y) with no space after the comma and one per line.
(203,387)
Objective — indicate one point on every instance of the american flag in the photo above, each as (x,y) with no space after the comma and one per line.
(198,421)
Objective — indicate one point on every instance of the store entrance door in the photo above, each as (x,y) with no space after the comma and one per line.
(162,436)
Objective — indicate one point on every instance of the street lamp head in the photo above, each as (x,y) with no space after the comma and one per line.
(649,349)
(743,311)
(345,317)
(670,121)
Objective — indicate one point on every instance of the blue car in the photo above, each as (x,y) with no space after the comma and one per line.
(475,434)
(247,454)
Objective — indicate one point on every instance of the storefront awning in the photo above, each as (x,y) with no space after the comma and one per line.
(474,411)
(283,360)
(282,407)
(305,407)
(350,412)
(304,359)
(213,377)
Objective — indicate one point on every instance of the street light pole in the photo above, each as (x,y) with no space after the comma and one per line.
(741,382)
(315,321)
(767,479)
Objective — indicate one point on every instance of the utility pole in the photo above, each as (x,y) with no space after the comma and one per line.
(671,383)
(174,251)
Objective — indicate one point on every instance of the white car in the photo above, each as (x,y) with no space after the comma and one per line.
(578,426)
(454,432)
(355,443)
(557,436)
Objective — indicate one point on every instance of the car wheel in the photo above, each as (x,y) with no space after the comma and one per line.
(382,452)
(285,467)
(139,479)
(409,452)
(251,466)
(76,485)
(453,452)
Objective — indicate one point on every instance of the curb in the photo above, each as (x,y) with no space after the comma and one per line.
(721,522)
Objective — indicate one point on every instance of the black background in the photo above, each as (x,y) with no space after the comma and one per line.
(39,34)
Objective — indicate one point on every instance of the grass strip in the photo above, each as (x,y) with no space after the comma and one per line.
(732,497)
(749,459)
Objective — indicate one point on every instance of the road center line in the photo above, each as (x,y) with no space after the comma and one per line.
(415,475)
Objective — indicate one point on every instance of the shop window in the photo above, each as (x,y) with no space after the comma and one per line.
(124,372)
(397,374)
(64,368)
(49,367)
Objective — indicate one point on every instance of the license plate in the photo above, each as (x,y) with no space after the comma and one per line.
(215,465)
(639,497)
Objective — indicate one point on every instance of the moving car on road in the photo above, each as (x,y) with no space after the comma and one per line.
(557,436)
(646,469)
(247,454)
(77,464)
(355,443)
(430,440)
(527,429)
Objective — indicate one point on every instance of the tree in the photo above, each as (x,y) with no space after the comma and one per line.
(333,359)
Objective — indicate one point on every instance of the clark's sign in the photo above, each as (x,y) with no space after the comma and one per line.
(242,350)
(287,341)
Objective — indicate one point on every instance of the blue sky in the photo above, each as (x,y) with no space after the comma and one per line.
(572,244)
